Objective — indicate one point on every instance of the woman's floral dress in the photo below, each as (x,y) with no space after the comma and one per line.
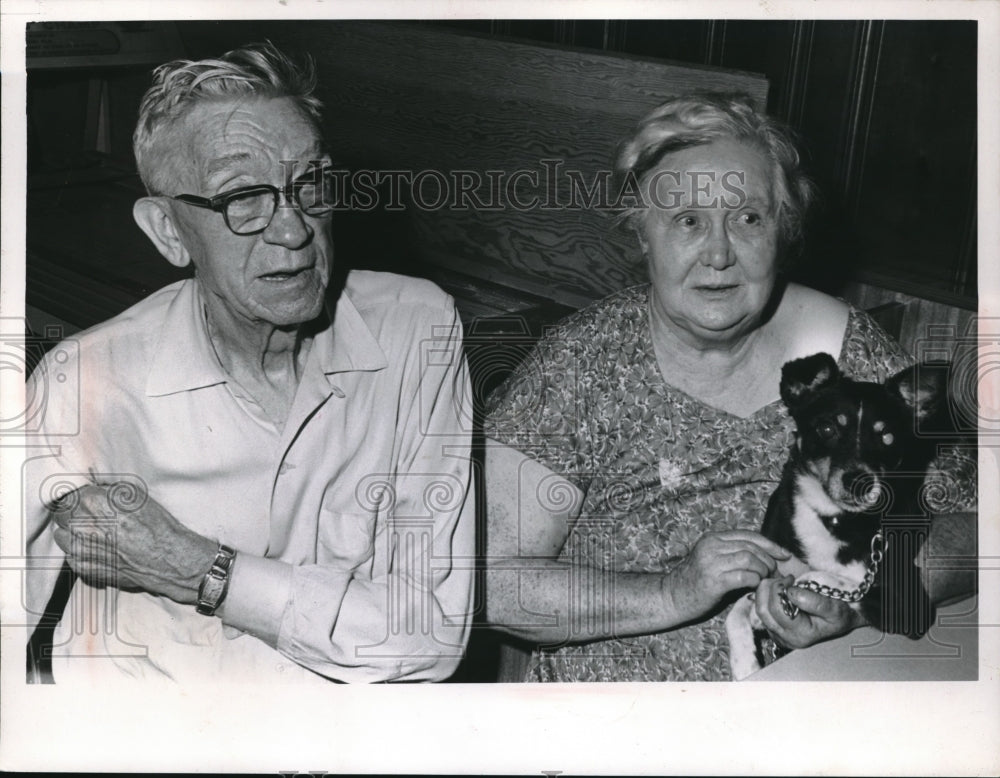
(658,469)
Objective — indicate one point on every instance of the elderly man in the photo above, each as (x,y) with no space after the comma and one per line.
(255,479)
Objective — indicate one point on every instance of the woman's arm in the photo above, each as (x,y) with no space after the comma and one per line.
(533,595)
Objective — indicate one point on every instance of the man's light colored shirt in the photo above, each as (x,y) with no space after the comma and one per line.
(354,523)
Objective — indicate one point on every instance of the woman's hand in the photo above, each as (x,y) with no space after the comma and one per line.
(820,618)
(719,563)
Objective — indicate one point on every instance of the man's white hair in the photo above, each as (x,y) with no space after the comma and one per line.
(254,70)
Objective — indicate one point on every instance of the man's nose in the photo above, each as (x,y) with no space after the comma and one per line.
(288,228)
(717,252)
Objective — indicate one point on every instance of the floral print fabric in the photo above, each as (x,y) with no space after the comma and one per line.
(657,467)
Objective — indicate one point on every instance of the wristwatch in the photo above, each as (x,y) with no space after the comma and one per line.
(215,584)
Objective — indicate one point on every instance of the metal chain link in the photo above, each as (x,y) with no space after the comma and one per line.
(855,595)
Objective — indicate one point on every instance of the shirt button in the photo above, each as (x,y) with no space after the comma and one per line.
(338,392)
(284,467)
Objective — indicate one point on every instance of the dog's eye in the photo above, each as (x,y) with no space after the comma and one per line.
(826,431)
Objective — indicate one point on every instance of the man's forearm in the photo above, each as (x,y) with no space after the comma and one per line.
(948,560)
(395,628)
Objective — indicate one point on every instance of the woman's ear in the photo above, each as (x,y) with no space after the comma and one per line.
(155,219)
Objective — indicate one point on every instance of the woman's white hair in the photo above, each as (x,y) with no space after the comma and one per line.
(704,117)
(254,70)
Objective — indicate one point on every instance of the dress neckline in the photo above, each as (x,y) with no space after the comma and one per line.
(662,386)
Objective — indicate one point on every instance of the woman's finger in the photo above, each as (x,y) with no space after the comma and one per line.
(749,560)
(725,554)
(814,604)
(768,605)
(755,538)
(739,578)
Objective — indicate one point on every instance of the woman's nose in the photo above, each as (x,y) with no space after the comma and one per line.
(288,228)
(718,250)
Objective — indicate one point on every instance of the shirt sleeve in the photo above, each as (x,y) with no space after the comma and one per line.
(58,459)
(410,621)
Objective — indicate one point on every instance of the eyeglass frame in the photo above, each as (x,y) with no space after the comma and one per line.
(220,202)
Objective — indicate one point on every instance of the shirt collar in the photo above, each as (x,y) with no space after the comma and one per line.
(349,344)
(185,358)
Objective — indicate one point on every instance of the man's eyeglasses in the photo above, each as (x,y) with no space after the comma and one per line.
(250,209)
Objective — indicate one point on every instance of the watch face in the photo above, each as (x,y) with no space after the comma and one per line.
(213,587)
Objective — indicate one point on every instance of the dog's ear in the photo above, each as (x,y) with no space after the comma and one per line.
(923,388)
(802,378)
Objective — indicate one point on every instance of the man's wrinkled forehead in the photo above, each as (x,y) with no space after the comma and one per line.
(218,139)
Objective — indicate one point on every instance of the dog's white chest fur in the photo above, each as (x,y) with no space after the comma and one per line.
(810,503)
(821,548)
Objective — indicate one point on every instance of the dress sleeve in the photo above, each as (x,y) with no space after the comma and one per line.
(539,408)
(869,353)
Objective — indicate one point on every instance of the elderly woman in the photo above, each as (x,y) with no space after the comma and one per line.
(631,457)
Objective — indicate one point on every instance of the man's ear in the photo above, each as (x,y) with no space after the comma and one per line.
(154,218)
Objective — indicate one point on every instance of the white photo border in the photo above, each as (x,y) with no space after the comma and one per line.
(781,728)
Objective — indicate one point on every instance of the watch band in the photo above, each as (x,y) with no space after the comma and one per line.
(215,584)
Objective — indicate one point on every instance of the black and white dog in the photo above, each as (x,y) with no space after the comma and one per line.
(857,457)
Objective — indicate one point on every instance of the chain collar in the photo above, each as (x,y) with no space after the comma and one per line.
(854,595)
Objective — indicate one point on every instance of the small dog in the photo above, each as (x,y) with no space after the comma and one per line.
(856,458)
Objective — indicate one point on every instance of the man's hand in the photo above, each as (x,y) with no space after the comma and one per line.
(820,618)
(144,549)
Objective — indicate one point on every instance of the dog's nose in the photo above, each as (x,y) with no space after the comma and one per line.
(851,479)
(856,482)
(862,485)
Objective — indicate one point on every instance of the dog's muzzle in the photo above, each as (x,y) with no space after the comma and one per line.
(861,488)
